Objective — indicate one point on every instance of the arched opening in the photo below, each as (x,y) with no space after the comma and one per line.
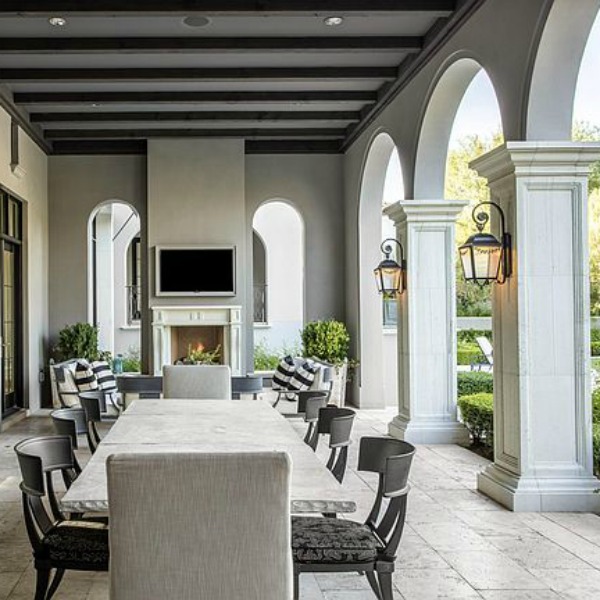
(115,279)
(382,184)
(461,122)
(477,129)
(278,280)
(556,69)
(586,128)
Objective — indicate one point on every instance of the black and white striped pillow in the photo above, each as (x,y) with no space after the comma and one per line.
(303,377)
(104,376)
(283,373)
(85,379)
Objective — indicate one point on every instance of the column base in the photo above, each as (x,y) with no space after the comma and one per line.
(531,494)
(428,432)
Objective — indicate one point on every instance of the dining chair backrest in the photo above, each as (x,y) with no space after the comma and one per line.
(337,422)
(39,458)
(304,397)
(92,404)
(391,460)
(203,382)
(71,422)
(194,525)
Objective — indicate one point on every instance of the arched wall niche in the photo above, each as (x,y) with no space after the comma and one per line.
(438,118)
(279,230)
(112,225)
(556,69)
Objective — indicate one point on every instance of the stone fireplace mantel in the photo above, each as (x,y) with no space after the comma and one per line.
(166,317)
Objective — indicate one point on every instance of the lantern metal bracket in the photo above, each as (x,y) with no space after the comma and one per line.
(387,250)
(481,219)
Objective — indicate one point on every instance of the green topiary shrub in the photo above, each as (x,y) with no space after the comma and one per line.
(474,382)
(79,340)
(468,335)
(595,335)
(467,354)
(326,340)
(595,348)
(477,412)
(596,446)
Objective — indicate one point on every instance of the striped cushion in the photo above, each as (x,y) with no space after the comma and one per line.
(104,375)
(303,377)
(283,373)
(84,377)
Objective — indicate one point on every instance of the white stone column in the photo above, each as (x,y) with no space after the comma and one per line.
(542,404)
(427,323)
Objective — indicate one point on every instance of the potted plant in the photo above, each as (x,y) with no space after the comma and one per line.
(329,341)
(200,356)
(79,340)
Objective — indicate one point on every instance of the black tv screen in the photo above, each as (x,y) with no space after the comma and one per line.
(195,271)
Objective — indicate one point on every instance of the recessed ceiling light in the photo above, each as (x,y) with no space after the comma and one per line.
(333,21)
(57,21)
(196,21)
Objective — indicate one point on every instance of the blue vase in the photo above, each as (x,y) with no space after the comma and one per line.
(118,364)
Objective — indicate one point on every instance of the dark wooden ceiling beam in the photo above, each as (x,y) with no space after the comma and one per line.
(80,147)
(184,97)
(139,147)
(198,74)
(246,132)
(201,115)
(101,7)
(292,147)
(106,45)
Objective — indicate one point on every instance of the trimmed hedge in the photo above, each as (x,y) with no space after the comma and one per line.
(468,335)
(467,354)
(475,382)
(595,348)
(477,411)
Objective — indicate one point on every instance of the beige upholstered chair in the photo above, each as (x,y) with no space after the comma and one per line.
(209,382)
(193,526)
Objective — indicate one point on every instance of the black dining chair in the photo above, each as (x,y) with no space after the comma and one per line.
(338,545)
(58,544)
(92,404)
(309,404)
(71,422)
(337,422)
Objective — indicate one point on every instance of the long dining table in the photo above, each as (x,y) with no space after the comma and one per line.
(209,426)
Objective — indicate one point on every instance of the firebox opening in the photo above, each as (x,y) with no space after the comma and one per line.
(206,337)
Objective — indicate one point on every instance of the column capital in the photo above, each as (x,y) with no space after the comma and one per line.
(425,210)
(537,159)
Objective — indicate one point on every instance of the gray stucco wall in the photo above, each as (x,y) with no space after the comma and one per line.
(509,65)
(313,185)
(77,185)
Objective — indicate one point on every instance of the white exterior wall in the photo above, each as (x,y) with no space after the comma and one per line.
(125,335)
(282,231)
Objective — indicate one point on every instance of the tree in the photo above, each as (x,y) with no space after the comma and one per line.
(463,183)
(586,132)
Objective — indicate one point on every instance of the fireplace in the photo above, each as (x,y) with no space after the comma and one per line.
(175,328)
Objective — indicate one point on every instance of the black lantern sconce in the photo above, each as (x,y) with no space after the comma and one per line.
(390,274)
(483,257)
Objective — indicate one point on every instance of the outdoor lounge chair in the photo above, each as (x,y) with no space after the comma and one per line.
(486,359)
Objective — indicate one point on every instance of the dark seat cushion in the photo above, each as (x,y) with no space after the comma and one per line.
(79,544)
(328,540)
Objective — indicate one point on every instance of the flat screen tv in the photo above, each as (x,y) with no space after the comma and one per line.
(195,270)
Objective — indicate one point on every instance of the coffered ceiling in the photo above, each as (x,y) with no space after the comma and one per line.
(272,72)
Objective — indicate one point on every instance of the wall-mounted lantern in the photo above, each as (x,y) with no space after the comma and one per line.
(390,274)
(484,258)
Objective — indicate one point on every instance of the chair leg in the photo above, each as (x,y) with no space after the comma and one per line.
(309,432)
(41,586)
(55,583)
(385,583)
(296,585)
(372,579)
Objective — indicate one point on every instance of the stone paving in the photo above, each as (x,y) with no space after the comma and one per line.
(457,544)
